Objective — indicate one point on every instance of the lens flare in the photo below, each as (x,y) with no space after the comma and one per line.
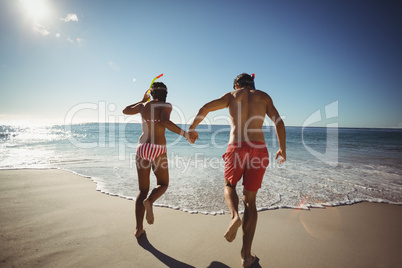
(321,227)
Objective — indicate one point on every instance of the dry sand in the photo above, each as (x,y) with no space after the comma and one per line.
(54,218)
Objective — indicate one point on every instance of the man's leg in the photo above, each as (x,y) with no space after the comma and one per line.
(232,200)
(160,168)
(249,225)
(143,172)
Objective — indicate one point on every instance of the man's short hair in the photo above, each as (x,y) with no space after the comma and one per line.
(244,80)
(159,91)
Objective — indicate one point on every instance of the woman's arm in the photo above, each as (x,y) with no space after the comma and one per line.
(136,107)
(165,120)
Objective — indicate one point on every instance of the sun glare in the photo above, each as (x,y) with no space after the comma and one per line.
(36,9)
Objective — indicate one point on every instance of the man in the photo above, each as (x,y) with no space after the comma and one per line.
(247,154)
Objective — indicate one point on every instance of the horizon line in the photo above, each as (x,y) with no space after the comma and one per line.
(43,123)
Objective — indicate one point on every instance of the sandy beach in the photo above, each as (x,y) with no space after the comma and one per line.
(54,218)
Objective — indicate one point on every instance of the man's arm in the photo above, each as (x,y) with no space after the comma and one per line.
(165,120)
(136,107)
(211,106)
(279,128)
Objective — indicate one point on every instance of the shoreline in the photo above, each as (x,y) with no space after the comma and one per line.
(211,213)
(53,217)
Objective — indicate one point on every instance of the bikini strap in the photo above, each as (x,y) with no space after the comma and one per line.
(151,120)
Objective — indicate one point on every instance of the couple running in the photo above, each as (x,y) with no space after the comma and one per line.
(246,155)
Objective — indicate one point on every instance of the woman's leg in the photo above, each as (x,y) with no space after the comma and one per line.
(143,172)
(161,171)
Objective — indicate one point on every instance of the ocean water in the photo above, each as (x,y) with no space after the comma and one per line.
(325,166)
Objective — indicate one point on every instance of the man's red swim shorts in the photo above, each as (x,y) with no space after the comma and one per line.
(247,159)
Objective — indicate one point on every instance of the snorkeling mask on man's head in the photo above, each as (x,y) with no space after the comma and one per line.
(245,80)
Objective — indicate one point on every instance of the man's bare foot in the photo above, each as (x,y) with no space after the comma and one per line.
(138,233)
(230,234)
(248,262)
(149,211)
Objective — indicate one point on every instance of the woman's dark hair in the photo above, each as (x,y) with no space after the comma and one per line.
(159,91)
(244,80)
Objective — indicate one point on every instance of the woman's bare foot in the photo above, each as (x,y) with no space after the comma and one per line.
(248,262)
(140,232)
(149,211)
(230,234)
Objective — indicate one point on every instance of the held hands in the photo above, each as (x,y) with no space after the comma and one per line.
(282,154)
(191,136)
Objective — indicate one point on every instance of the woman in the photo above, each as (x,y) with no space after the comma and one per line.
(151,150)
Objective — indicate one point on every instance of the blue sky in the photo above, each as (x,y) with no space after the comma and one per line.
(58,55)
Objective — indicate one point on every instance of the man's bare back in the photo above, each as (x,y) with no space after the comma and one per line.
(247,109)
